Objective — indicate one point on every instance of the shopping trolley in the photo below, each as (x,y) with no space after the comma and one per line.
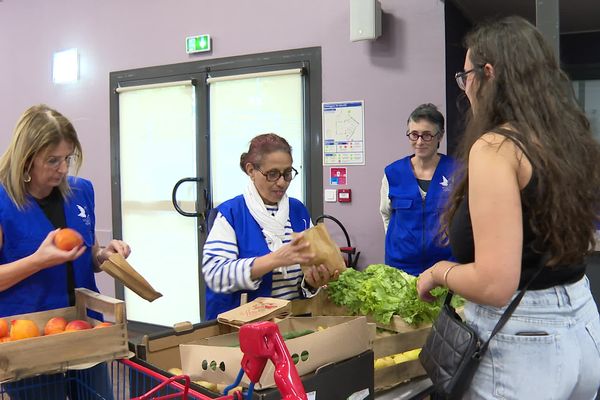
(136,380)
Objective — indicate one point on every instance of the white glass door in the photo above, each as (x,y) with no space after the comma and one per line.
(244,106)
(157,134)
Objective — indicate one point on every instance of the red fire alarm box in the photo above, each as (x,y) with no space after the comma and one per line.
(344,195)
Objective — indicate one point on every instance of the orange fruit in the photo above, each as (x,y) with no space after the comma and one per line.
(4,330)
(23,329)
(67,239)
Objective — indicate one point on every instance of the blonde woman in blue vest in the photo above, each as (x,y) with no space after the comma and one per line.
(37,196)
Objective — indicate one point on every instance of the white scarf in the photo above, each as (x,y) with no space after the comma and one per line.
(273,227)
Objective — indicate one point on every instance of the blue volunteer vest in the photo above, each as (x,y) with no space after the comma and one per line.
(251,243)
(24,230)
(412,241)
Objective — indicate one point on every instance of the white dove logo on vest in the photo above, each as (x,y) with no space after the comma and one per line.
(445,184)
(84,215)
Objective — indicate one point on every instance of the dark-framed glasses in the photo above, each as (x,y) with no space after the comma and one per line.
(55,162)
(425,136)
(273,175)
(461,77)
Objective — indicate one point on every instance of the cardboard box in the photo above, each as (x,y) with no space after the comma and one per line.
(402,340)
(317,306)
(57,353)
(404,337)
(334,381)
(162,349)
(217,359)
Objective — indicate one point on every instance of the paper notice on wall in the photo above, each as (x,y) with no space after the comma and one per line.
(343,133)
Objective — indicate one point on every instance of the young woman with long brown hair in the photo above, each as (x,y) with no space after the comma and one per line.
(529,195)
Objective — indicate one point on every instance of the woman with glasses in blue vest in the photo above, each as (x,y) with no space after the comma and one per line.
(250,248)
(38,196)
(414,191)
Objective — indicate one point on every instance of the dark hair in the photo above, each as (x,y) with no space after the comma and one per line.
(430,113)
(262,145)
(530,93)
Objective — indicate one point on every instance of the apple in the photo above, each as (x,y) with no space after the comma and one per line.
(77,325)
(55,325)
(103,325)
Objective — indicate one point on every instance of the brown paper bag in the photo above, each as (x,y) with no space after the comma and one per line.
(117,267)
(260,309)
(325,249)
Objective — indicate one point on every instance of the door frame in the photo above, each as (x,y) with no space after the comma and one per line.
(309,59)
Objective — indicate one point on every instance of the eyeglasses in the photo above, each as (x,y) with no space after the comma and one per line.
(274,174)
(426,136)
(461,77)
(55,162)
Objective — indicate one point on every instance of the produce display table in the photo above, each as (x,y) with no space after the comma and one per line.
(413,390)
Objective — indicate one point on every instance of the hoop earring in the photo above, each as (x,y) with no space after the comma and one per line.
(27,178)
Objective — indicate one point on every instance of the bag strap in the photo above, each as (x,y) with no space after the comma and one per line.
(509,310)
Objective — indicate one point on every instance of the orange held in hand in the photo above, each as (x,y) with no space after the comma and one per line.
(67,239)
(55,325)
(23,329)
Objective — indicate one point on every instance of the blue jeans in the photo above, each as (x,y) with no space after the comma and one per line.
(548,349)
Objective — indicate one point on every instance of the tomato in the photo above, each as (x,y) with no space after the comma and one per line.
(67,239)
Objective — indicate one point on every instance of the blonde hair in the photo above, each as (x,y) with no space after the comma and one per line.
(38,129)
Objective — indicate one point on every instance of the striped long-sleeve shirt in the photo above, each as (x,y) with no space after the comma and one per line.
(225,272)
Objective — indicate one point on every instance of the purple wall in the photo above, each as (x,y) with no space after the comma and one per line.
(403,68)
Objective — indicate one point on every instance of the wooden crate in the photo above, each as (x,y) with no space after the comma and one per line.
(57,353)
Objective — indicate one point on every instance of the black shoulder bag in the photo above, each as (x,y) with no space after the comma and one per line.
(453,350)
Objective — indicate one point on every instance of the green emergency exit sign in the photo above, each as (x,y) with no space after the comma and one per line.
(197,44)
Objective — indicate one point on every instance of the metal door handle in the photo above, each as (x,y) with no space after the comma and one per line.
(174,198)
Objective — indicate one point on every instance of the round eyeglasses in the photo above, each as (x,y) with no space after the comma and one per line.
(425,136)
(273,175)
(55,162)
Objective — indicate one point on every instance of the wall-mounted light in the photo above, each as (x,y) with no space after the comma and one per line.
(65,66)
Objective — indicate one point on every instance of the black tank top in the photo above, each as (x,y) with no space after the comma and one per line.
(463,247)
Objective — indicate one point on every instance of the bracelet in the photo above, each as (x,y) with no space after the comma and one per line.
(446,275)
